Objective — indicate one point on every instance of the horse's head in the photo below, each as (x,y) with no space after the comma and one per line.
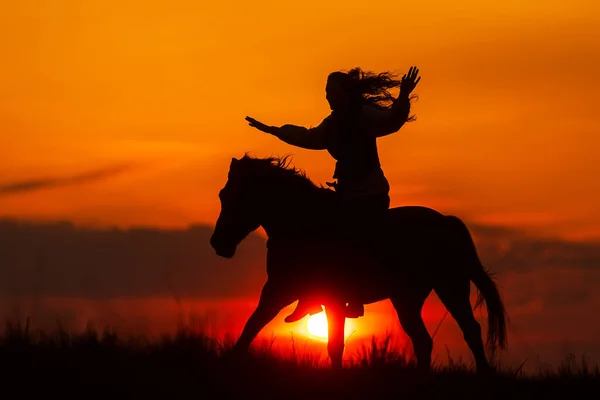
(253,197)
(240,208)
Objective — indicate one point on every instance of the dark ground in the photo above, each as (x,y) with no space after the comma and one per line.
(101,365)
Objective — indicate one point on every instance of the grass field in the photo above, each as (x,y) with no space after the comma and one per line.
(94,364)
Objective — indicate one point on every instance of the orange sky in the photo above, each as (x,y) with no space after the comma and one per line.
(506,129)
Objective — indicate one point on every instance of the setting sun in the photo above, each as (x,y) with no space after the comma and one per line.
(316,325)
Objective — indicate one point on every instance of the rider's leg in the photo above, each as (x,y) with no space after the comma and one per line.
(368,210)
(305,306)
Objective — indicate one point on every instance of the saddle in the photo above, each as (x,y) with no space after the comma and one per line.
(355,220)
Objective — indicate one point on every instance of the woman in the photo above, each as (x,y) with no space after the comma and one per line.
(362,109)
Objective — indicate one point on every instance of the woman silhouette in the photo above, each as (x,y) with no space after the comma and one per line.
(362,110)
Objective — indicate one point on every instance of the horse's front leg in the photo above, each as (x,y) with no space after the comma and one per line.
(336,321)
(272,300)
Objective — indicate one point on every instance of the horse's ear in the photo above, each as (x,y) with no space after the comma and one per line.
(234,161)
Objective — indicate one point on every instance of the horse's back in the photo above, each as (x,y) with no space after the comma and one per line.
(413,211)
(410,238)
(412,218)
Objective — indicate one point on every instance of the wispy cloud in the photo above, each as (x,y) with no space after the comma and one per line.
(138,260)
(32,185)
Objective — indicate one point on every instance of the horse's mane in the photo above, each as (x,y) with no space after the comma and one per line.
(281,167)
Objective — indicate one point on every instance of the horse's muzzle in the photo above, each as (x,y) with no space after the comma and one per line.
(221,250)
(228,252)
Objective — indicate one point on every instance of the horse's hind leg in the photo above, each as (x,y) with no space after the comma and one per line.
(272,301)
(408,307)
(455,296)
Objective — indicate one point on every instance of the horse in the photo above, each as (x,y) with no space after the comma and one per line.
(314,250)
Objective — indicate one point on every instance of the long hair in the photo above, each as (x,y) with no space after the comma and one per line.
(371,88)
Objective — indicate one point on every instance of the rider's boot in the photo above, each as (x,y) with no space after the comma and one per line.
(303,308)
(355,310)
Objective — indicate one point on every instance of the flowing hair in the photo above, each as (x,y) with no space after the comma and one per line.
(371,88)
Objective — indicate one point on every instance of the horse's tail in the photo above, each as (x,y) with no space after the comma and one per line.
(488,291)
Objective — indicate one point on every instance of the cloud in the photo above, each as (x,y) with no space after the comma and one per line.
(509,249)
(60,259)
(49,183)
(550,287)
(555,279)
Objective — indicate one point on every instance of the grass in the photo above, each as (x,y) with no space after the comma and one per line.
(99,364)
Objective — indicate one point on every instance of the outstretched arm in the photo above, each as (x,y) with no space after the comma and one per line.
(384,122)
(306,138)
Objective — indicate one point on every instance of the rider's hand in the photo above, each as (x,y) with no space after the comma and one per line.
(409,81)
(258,125)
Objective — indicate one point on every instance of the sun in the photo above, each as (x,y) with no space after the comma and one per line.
(316,325)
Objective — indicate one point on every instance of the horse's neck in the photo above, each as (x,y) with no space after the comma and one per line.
(295,213)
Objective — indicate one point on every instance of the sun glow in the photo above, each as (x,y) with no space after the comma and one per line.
(316,325)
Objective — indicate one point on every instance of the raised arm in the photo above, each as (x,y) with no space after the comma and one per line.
(306,138)
(382,122)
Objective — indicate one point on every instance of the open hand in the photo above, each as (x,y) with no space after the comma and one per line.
(258,125)
(409,81)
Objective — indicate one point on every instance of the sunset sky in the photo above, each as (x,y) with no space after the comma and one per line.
(127,113)
(506,128)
